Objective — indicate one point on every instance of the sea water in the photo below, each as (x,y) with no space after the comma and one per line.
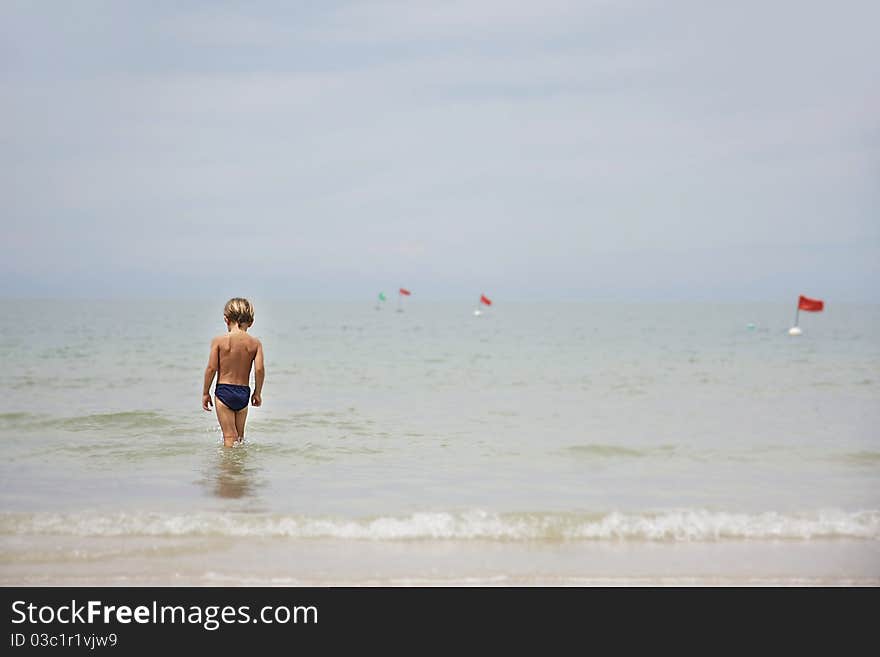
(539,442)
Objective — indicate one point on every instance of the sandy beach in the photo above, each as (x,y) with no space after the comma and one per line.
(231,562)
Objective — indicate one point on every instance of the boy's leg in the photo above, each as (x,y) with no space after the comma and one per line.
(240,419)
(226,417)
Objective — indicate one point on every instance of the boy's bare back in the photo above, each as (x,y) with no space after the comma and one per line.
(234,355)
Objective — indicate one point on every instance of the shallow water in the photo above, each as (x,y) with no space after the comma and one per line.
(567,424)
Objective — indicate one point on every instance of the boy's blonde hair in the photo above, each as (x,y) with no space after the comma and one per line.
(239,311)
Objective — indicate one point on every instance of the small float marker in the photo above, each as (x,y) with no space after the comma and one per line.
(485,301)
(403,292)
(808,305)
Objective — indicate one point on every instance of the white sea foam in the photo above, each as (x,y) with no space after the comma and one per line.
(674,525)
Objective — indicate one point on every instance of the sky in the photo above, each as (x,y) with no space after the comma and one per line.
(559,150)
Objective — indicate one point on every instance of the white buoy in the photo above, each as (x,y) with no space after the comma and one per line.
(794,330)
(477,313)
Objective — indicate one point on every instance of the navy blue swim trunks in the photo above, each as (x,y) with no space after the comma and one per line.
(233,396)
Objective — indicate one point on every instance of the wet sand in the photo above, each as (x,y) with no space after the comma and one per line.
(224,561)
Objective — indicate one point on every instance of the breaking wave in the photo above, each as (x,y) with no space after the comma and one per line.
(671,526)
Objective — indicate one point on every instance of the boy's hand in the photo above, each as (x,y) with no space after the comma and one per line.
(206,402)
(256,399)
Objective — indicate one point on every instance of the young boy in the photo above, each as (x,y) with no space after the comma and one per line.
(230,359)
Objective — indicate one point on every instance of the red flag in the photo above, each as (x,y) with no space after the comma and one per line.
(405,292)
(812,305)
(485,299)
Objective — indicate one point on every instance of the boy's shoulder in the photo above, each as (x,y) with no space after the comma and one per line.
(222,337)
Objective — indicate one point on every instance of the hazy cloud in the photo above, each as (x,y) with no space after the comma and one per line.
(583,150)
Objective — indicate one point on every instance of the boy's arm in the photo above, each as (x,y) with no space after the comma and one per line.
(210,371)
(259,375)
